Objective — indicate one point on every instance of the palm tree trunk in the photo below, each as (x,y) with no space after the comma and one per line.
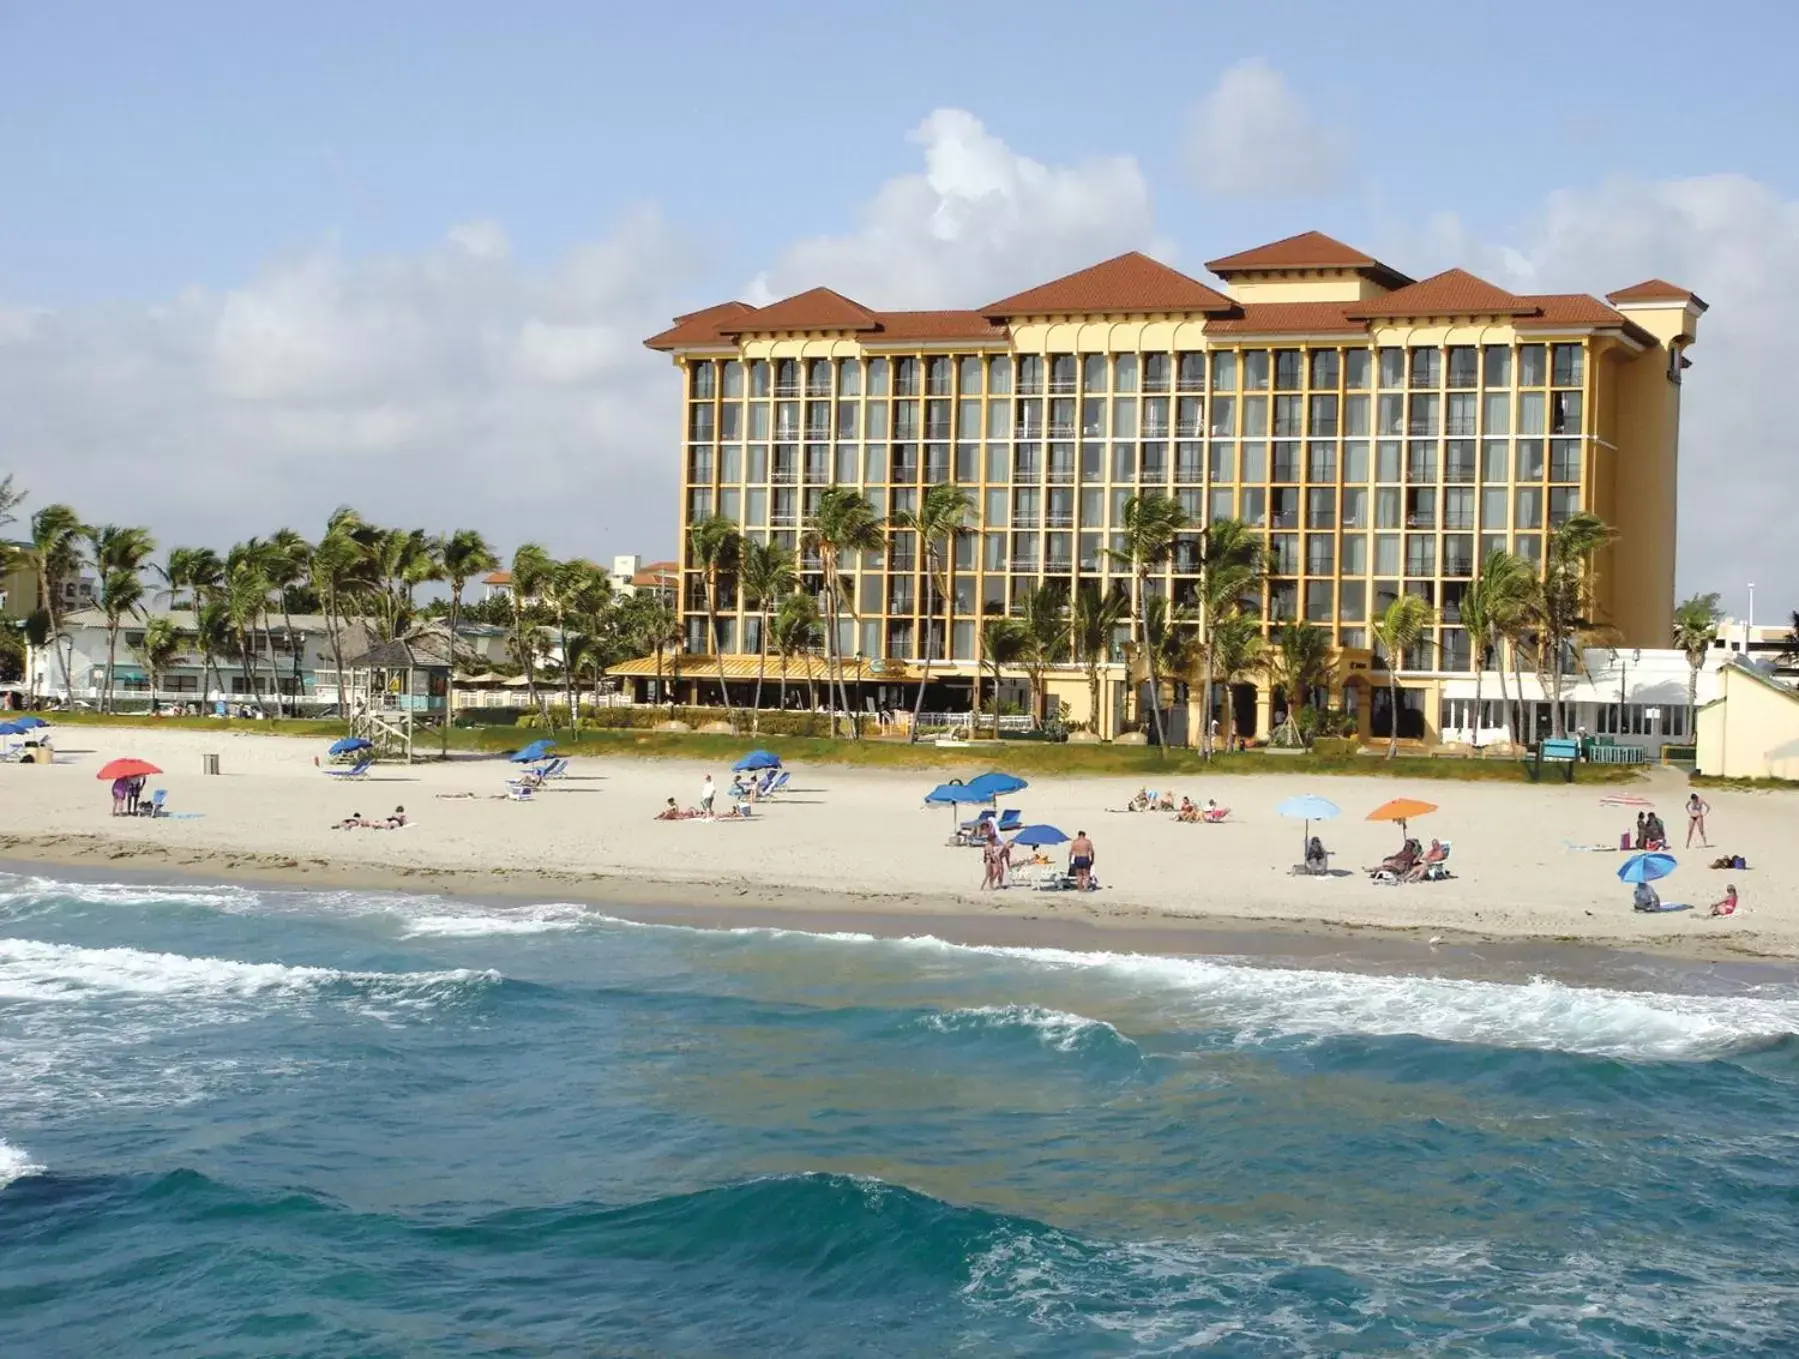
(293,647)
(1505,701)
(1393,707)
(450,683)
(1474,725)
(783,678)
(1093,722)
(568,674)
(1518,684)
(761,671)
(718,652)
(1205,717)
(1155,699)
(333,618)
(924,678)
(268,641)
(112,646)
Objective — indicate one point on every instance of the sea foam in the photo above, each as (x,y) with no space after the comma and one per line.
(15,1164)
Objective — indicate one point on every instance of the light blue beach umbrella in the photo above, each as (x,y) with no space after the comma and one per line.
(1647,867)
(954,795)
(534,752)
(997,785)
(1040,835)
(1308,807)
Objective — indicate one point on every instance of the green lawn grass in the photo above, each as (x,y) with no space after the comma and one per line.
(1023,757)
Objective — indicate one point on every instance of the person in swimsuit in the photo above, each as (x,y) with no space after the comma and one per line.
(1728,906)
(1697,807)
(1080,861)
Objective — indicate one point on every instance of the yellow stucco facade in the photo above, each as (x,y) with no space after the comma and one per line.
(1750,730)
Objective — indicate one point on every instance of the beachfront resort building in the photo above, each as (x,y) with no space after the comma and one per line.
(1382,433)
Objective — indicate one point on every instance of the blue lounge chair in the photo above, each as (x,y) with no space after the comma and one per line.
(553,769)
(355,771)
(778,784)
(154,807)
(1010,820)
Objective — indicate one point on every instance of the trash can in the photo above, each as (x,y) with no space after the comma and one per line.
(209,764)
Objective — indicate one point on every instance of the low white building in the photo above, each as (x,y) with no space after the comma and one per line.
(303,671)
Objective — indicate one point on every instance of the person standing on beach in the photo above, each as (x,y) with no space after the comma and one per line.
(1080,861)
(1697,807)
(707,793)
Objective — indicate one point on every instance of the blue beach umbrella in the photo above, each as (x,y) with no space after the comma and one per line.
(534,752)
(997,785)
(954,795)
(1308,807)
(29,722)
(11,729)
(349,743)
(1039,835)
(757,759)
(1646,867)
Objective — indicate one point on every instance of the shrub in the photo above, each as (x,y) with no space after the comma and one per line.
(1336,747)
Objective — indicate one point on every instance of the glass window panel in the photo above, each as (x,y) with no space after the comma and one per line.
(998,502)
(1354,547)
(1420,554)
(876,416)
(1533,368)
(1458,507)
(999,419)
(1224,372)
(1564,504)
(1286,461)
(1392,367)
(1464,366)
(1355,507)
(1355,461)
(1255,417)
(1352,600)
(1564,460)
(1093,373)
(758,462)
(1255,507)
(1530,413)
(1497,412)
(1357,369)
(1321,508)
(1289,370)
(1221,504)
(1386,461)
(874,464)
(1318,601)
(1493,501)
(1386,554)
(733,378)
(1093,462)
(1321,460)
(730,420)
(999,462)
(1324,369)
(1093,418)
(1427,367)
(1390,415)
(968,420)
(1224,416)
(1530,460)
(1155,373)
(1529,507)
(1255,462)
(968,463)
(1255,370)
(1223,462)
(1124,462)
(1355,416)
(1567,365)
(1458,413)
(1496,365)
(1458,461)
(1190,372)
(1426,414)
(1288,414)
(1387,507)
(1564,412)
(999,375)
(1494,455)
(1124,373)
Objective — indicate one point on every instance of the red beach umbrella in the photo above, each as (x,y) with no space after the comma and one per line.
(127,769)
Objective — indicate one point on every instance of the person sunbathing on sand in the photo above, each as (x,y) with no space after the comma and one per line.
(671,812)
(1188,811)
(1728,906)
(350,822)
(1165,803)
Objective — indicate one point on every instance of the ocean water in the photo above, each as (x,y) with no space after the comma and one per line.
(237,1122)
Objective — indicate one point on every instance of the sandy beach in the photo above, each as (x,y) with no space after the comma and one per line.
(842,842)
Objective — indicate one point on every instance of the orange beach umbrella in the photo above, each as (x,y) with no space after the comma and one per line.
(1402,810)
(127,769)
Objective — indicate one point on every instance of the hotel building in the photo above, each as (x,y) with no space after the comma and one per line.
(1383,433)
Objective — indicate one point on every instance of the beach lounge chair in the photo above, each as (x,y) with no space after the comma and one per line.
(355,771)
(1439,870)
(973,832)
(779,783)
(1009,820)
(518,790)
(153,805)
(1213,816)
(555,769)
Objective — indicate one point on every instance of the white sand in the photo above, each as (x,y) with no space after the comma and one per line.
(845,839)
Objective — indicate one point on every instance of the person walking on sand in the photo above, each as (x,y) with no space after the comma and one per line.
(1697,807)
(707,793)
(1080,861)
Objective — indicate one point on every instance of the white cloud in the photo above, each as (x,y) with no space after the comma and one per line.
(980,221)
(1253,137)
(450,387)
(1735,242)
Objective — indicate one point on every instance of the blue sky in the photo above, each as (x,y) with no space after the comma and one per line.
(178,176)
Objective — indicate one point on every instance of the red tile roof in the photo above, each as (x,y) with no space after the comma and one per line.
(1131,282)
(497,578)
(1286,318)
(1454,292)
(1655,290)
(1569,309)
(698,327)
(814,309)
(657,575)
(934,325)
(1308,250)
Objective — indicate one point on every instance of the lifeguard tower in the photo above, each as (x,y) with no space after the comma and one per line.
(402,687)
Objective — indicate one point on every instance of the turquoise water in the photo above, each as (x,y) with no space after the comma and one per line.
(250,1123)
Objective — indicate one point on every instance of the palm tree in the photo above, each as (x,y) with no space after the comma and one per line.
(465,553)
(212,635)
(1173,643)
(1298,664)
(714,546)
(1237,645)
(1151,521)
(531,571)
(245,596)
(1491,606)
(577,590)
(332,573)
(1232,562)
(768,578)
(1092,621)
(843,522)
(160,646)
(119,557)
(1789,647)
(286,568)
(796,633)
(652,627)
(1695,629)
(1042,639)
(940,516)
(57,536)
(1002,643)
(10,500)
(1397,631)
(1567,600)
